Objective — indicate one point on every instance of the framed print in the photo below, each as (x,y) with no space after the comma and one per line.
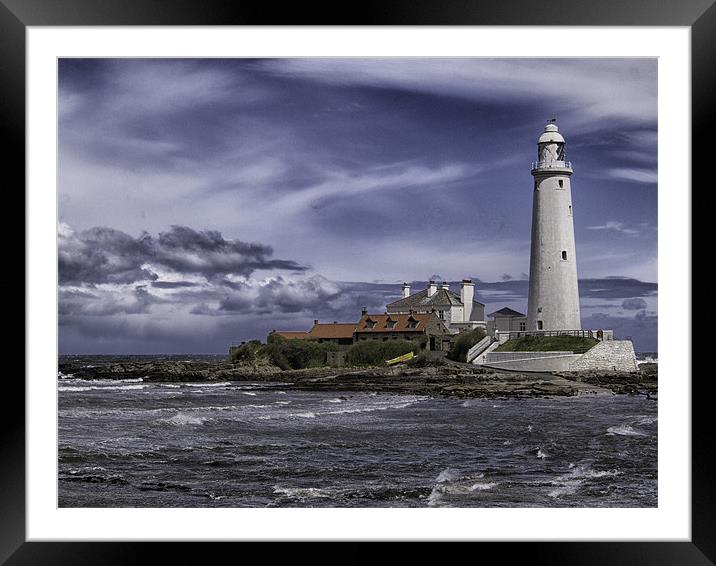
(409,277)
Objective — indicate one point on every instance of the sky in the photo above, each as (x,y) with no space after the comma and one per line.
(203,202)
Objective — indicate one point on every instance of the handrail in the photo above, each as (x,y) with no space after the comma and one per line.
(551,165)
(523,333)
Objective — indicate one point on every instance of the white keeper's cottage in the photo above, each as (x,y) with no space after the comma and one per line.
(457,311)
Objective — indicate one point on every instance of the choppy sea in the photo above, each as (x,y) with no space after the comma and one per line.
(135,444)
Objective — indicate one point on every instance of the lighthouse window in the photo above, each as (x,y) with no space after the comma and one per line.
(570,210)
(564,254)
(561,184)
(539,325)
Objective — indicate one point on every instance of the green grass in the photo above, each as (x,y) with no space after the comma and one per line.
(575,344)
(464,342)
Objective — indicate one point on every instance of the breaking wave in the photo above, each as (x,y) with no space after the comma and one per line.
(483,486)
(302,492)
(570,483)
(624,430)
(182,419)
(101,388)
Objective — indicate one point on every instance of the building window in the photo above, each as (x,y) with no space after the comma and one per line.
(390,323)
(369,324)
(561,184)
(441,315)
(564,255)
(539,325)
(412,322)
(523,326)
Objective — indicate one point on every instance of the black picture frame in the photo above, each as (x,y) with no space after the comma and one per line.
(17,15)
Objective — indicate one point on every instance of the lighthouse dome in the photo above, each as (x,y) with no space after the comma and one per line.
(551,134)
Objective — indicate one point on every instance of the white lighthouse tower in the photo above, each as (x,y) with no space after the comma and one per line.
(553,302)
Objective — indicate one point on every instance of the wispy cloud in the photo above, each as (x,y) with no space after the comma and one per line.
(649,176)
(596,89)
(616,226)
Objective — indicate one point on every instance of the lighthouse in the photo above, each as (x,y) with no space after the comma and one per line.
(553,301)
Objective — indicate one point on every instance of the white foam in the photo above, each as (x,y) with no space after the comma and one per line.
(483,486)
(541,453)
(182,419)
(448,475)
(208,384)
(301,492)
(624,430)
(571,482)
(248,393)
(101,388)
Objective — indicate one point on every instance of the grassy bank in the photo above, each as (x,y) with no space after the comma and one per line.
(575,344)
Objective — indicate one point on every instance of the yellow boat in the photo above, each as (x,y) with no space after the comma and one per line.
(403,358)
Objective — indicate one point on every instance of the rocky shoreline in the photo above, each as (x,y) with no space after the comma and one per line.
(459,380)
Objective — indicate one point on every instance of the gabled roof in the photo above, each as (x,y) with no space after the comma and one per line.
(506,311)
(322,331)
(333,330)
(420,300)
(291,335)
(402,322)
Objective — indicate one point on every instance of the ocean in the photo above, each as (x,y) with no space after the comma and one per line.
(135,444)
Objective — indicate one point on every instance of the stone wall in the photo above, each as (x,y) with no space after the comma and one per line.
(530,361)
(613,355)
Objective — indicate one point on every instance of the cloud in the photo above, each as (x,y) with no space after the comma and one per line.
(633,175)
(616,226)
(597,89)
(105,255)
(104,302)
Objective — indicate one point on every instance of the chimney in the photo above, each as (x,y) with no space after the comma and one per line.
(467,294)
(432,288)
(364,311)
(406,290)
(315,321)
(445,286)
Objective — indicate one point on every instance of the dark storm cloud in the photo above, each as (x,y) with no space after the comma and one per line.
(104,255)
(105,303)
(173,284)
(615,288)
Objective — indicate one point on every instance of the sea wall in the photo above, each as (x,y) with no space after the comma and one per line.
(531,361)
(612,355)
(609,355)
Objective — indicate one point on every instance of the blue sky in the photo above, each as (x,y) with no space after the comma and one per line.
(203,202)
